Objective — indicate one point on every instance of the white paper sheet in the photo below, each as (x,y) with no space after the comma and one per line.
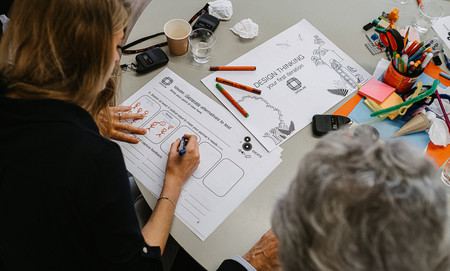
(300,73)
(442,28)
(232,162)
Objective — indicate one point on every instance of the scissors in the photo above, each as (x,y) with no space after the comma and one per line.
(392,39)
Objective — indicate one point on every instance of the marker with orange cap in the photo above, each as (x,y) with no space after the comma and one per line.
(237,85)
(228,96)
(232,68)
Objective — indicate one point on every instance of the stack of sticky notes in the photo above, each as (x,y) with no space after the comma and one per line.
(380,96)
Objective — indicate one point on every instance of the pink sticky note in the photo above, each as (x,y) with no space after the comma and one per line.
(376,90)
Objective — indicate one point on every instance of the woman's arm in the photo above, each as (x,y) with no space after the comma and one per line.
(178,170)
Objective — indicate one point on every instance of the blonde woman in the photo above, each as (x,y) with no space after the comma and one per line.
(65,202)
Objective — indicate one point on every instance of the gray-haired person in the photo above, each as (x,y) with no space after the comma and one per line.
(361,204)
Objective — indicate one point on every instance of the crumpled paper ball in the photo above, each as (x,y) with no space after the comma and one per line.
(246,29)
(221,9)
(438,131)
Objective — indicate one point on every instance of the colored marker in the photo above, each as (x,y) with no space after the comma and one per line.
(447,121)
(236,85)
(400,65)
(405,62)
(238,107)
(397,62)
(426,60)
(417,54)
(423,57)
(446,76)
(182,147)
(415,49)
(232,68)
(410,47)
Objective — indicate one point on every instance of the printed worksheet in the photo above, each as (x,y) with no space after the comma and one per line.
(442,28)
(300,73)
(232,162)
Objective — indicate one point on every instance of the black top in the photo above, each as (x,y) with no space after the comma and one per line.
(65,201)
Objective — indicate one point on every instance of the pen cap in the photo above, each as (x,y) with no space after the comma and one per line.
(401,82)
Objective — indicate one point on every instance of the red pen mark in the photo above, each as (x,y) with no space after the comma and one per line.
(164,130)
(137,105)
(155,123)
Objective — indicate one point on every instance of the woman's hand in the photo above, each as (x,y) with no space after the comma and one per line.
(120,130)
(179,168)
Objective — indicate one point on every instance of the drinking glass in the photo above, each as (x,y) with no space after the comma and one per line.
(429,12)
(201,42)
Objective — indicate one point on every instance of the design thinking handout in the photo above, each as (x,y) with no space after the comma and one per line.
(227,173)
(300,73)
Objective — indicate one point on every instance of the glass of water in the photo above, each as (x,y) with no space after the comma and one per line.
(201,42)
(429,12)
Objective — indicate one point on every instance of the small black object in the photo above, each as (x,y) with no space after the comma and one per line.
(322,124)
(247,139)
(206,21)
(151,60)
(368,26)
(437,60)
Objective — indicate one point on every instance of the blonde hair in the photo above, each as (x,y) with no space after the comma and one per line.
(62,50)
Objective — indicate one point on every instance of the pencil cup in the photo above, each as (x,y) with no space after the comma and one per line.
(177,32)
(400,82)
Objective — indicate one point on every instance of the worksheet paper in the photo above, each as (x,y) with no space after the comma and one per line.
(442,28)
(232,162)
(300,73)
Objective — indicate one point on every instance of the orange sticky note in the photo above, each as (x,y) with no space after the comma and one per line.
(376,90)
(393,99)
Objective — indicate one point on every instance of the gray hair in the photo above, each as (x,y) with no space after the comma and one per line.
(361,204)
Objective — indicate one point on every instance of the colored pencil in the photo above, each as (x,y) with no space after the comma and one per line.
(405,40)
(237,85)
(233,102)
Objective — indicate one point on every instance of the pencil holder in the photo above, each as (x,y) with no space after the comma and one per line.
(400,82)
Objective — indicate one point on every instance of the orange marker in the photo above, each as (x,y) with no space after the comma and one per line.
(232,68)
(236,85)
(238,107)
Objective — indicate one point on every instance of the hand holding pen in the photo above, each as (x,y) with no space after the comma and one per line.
(179,168)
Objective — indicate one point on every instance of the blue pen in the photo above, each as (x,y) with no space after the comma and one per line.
(182,147)
(447,61)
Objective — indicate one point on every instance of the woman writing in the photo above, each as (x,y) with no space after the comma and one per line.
(65,202)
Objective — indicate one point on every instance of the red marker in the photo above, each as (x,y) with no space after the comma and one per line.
(238,107)
(236,85)
(232,68)
(416,48)
(411,47)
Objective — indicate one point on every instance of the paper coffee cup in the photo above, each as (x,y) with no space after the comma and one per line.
(177,32)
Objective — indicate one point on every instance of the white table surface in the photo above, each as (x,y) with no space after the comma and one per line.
(340,21)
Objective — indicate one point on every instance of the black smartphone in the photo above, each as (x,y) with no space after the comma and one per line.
(322,124)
